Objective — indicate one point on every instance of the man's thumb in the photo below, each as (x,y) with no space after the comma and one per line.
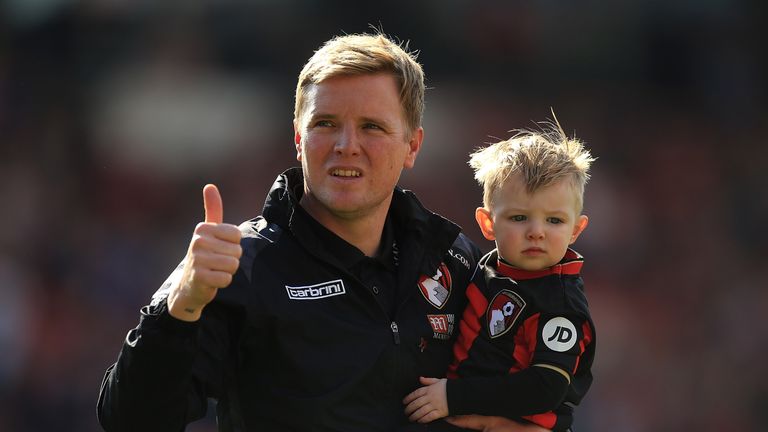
(214,209)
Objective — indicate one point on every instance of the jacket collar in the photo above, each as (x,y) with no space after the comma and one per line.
(283,197)
(411,220)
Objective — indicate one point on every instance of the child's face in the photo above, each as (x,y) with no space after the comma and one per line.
(532,231)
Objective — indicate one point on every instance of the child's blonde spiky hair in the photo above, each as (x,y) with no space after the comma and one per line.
(541,158)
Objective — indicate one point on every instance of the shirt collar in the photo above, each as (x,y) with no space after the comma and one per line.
(347,254)
(569,265)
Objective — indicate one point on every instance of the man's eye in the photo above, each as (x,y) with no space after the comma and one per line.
(554,220)
(371,126)
(517,218)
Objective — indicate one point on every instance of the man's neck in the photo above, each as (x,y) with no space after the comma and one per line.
(362,231)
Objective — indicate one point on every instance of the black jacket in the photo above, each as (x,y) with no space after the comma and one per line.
(297,342)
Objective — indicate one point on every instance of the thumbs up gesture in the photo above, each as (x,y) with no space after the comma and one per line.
(212,258)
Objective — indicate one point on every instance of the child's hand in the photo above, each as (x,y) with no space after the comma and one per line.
(427,403)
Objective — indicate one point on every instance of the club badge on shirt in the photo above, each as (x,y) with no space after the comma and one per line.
(436,289)
(503,311)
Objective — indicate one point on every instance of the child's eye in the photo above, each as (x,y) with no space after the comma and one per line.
(554,220)
(517,218)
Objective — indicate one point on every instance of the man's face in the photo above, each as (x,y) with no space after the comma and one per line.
(532,231)
(353,142)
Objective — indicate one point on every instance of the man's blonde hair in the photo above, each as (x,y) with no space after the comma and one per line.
(542,158)
(362,54)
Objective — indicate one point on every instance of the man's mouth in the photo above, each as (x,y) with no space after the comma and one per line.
(345,173)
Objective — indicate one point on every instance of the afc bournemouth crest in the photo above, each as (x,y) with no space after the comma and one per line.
(502,312)
(436,289)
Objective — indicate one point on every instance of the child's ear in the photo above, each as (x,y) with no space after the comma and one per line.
(581,223)
(485,221)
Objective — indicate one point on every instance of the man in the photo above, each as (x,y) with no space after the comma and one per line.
(322,313)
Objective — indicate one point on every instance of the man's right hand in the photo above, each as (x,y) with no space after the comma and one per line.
(212,258)
(492,424)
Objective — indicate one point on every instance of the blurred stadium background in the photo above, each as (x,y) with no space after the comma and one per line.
(114,114)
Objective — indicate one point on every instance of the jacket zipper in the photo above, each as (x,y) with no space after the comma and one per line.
(395,332)
(392,325)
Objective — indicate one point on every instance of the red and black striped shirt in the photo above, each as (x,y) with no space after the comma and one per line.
(516,319)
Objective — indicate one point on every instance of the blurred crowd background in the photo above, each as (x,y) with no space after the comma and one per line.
(115,113)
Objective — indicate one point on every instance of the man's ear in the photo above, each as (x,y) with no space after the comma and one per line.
(297,139)
(414,145)
(485,221)
(578,228)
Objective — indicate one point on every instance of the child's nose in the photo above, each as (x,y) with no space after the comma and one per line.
(535,232)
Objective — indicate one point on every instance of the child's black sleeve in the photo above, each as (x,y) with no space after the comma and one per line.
(530,391)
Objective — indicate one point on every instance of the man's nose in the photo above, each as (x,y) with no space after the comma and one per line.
(347,141)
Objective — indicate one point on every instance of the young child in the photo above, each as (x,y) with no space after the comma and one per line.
(527,340)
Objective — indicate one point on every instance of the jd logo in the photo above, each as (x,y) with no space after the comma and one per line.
(559,334)
(562,334)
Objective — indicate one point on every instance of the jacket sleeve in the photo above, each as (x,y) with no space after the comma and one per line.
(165,372)
(530,391)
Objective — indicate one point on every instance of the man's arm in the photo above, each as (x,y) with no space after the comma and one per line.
(151,386)
(175,358)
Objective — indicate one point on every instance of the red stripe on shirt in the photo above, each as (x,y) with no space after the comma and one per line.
(586,340)
(469,327)
(525,343)
(546,420)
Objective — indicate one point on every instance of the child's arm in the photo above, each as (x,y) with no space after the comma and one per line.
(427,403)
(537,389)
